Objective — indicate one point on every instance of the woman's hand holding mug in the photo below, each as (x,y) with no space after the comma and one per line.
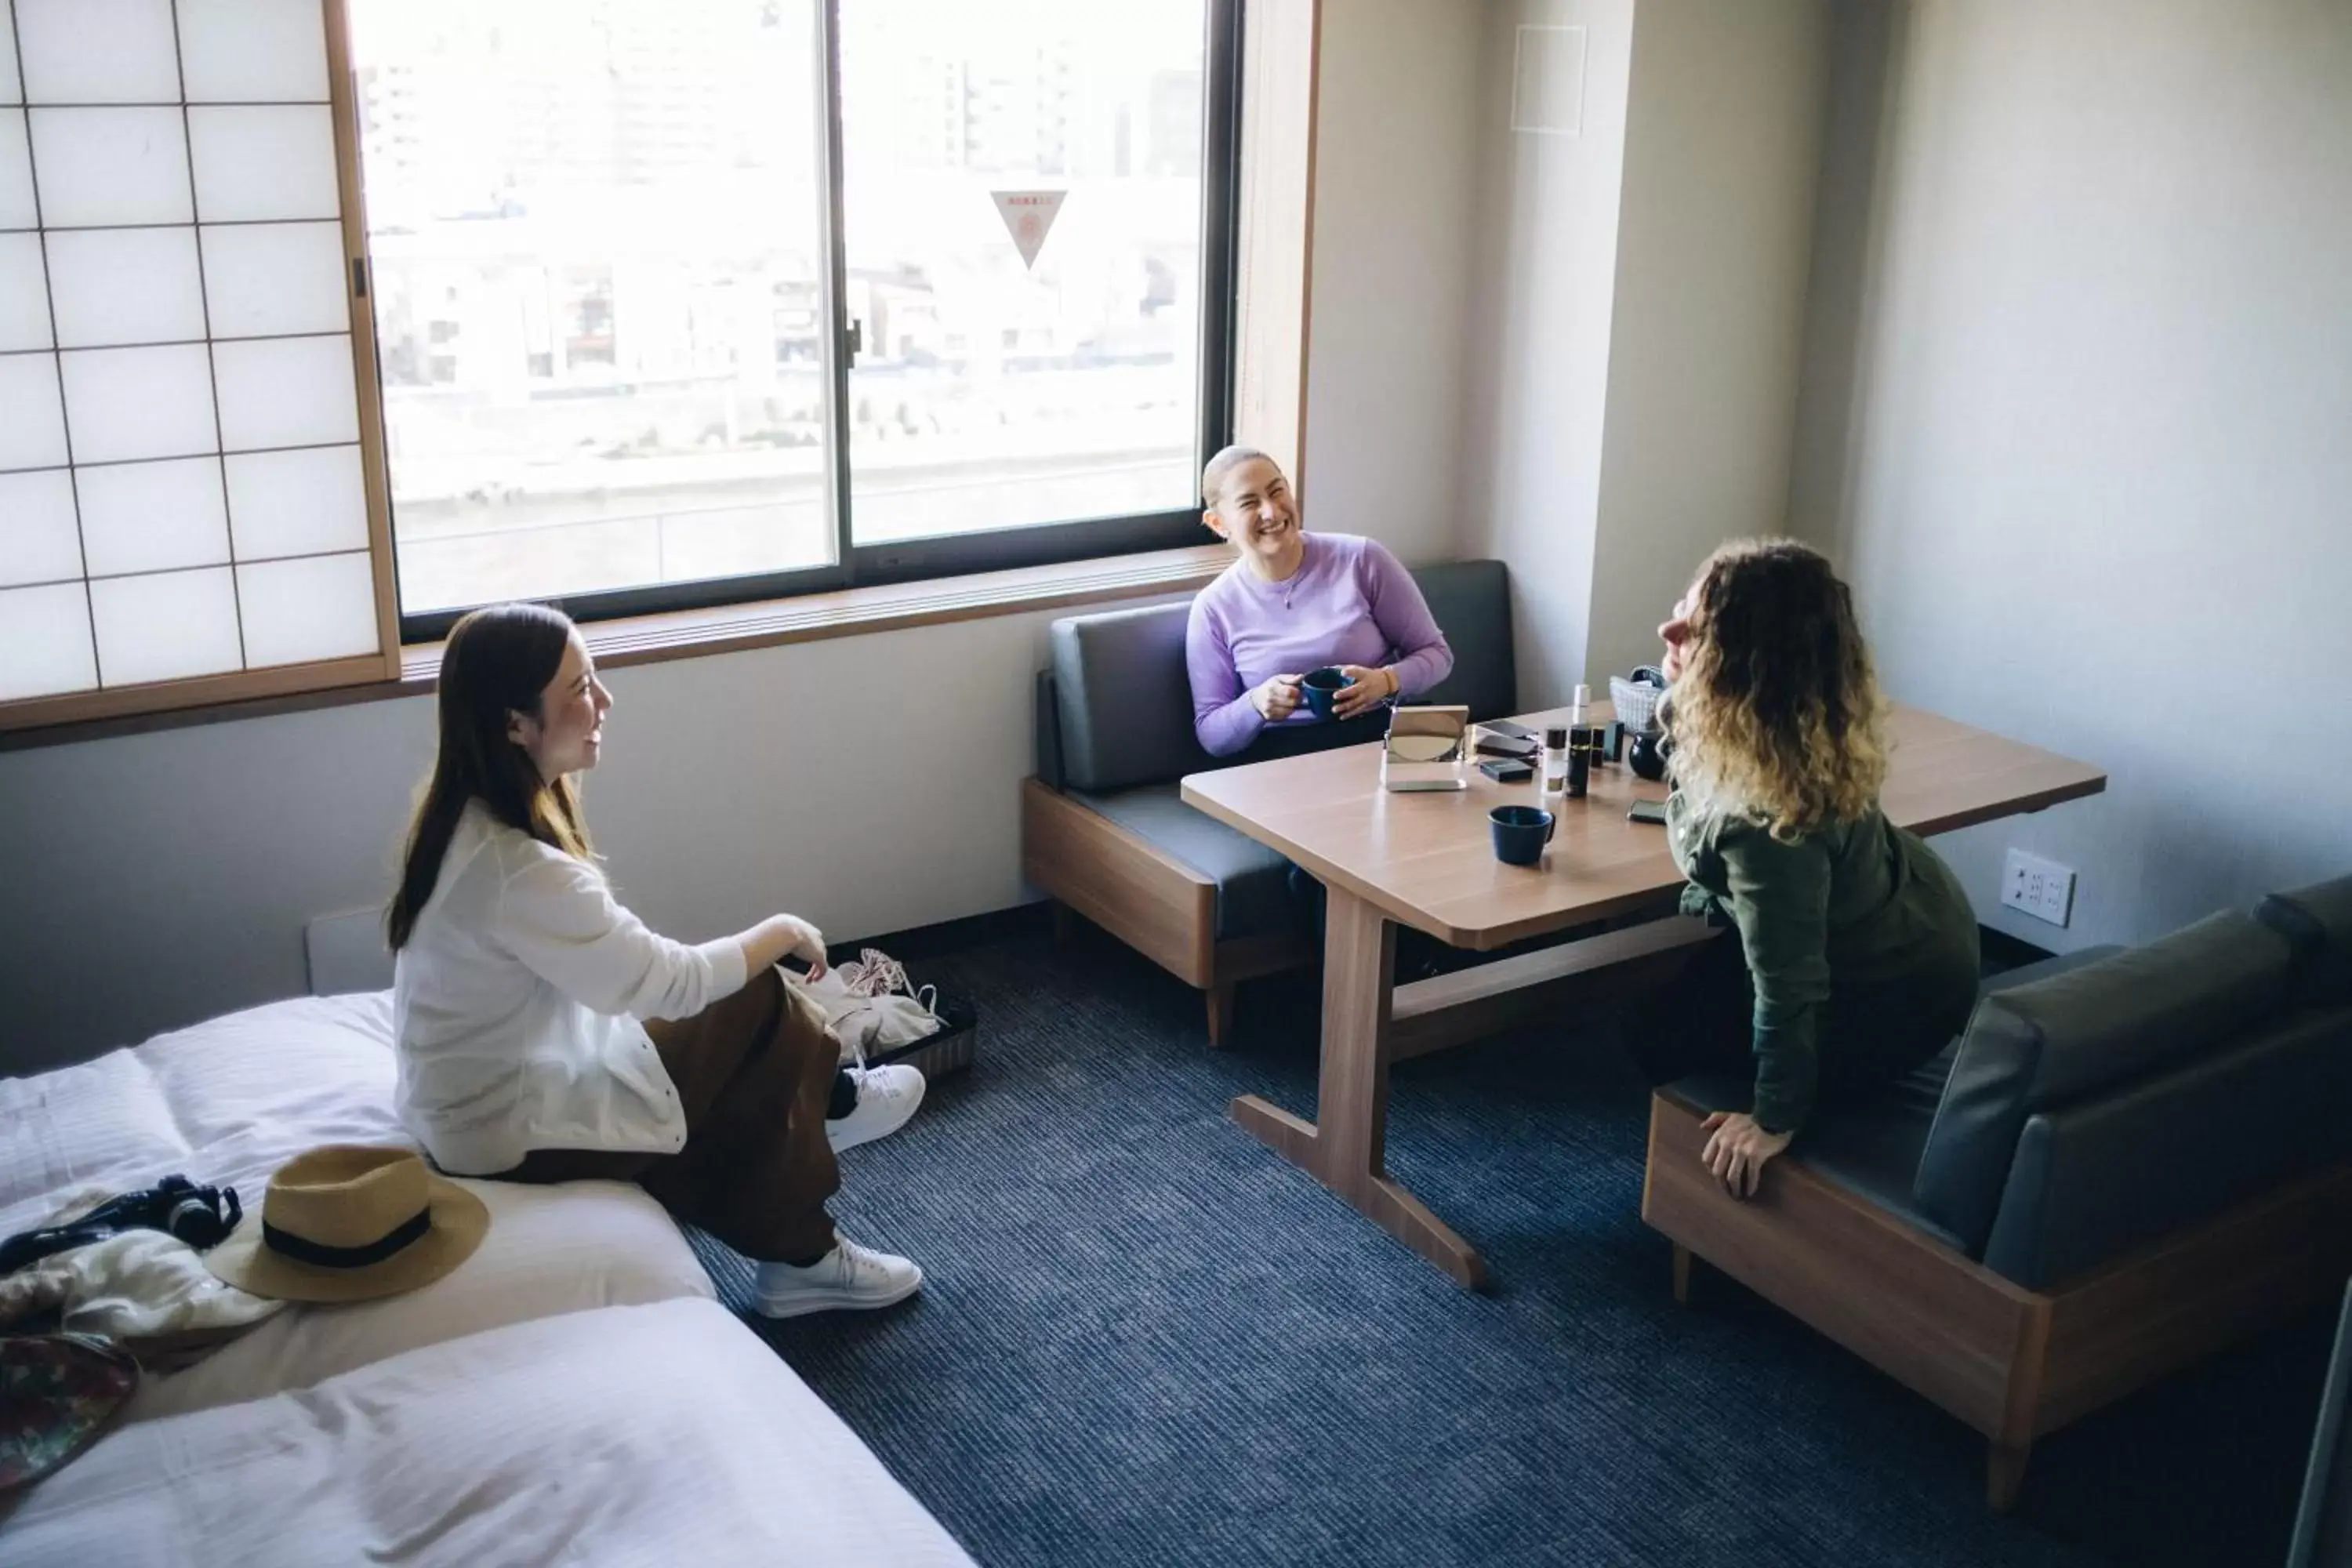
(1277,700)
(1371,689)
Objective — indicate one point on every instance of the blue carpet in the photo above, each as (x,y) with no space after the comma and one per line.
(1145,1340)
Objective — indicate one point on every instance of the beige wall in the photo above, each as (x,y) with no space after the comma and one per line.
(1393,202)
(1723,147)
(2078,420)
(1640,302)
(1543,290)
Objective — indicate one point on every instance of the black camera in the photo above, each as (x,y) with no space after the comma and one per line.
(201,1217)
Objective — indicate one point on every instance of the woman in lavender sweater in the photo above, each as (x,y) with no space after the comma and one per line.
(1292,602)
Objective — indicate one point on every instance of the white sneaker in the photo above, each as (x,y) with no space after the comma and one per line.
(887,1097)
(850,1275)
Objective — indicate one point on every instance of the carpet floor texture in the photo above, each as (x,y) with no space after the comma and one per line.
(1145,1340)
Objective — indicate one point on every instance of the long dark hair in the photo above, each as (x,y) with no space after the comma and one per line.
(1777,711)
(498,662)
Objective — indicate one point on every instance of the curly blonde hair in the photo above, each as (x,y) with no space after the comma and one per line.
(1777,714)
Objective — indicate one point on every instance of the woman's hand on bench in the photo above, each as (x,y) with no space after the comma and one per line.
(1738,1149)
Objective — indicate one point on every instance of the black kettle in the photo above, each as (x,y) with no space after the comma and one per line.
(1645,753)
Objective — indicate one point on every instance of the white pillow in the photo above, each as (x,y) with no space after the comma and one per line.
(550,1250)
(227,1102)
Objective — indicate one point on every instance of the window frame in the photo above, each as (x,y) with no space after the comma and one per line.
(1257,221)
(898,560)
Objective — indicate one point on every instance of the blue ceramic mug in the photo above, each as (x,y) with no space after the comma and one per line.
(1521,833)
(1320,685)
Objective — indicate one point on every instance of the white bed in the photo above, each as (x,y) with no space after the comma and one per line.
(571,1392)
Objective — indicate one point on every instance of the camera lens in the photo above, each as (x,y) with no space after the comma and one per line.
(192,1220)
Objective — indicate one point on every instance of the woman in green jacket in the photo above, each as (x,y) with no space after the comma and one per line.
(1851,952)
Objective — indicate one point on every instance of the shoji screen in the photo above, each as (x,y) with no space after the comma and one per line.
(181,489)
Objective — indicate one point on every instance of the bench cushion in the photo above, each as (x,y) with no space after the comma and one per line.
(1471,601)
(1869,1145)
(1124,700)
(2044,1045)
(1252,881)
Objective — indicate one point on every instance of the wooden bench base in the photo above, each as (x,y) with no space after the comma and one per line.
(2013,1363)
(1145,897)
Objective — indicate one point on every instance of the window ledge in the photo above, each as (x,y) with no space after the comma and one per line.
(856,612)
(735,628)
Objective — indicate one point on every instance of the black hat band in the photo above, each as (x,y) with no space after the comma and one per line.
(288,1245)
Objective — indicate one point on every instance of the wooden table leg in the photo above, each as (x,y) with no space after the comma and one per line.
(1345,1148)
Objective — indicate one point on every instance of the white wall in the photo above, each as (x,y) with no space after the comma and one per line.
(1641,291)
(1544,283)
(1723,145)
(2078,421)
(1394,199)
(868,783)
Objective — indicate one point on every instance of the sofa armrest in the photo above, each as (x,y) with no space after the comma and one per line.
(1048,722)
(2322,1526)
(2094,1180)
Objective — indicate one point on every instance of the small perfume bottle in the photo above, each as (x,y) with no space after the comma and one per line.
(1579,745)
(1555,761)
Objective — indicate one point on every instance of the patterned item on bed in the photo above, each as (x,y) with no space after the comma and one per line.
(57,1393)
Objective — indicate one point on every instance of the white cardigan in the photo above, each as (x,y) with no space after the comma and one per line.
(515,1007)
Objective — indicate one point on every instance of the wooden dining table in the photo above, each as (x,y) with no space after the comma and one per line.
(1388,859)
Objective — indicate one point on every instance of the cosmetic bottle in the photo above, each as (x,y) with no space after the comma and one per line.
(1579,745)
(1555,761)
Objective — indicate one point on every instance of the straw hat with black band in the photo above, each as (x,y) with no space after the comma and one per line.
(350,1223)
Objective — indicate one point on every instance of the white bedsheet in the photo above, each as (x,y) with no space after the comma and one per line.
(229,1100)
(662,1434)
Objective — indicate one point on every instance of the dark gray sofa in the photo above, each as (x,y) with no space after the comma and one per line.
(1104,832)
(2129,1156)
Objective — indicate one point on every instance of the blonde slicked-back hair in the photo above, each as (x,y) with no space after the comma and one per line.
(1777,714)
(1221,468)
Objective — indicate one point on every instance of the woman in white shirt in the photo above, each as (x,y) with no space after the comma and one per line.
(545,1035)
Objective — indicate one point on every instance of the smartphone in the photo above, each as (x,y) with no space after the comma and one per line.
(1650,811)
(1503,771)
(1505,727)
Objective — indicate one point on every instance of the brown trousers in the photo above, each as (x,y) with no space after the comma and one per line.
(754,1073)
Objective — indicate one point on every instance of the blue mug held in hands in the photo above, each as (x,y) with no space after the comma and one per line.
(1521,833)
(1320,685)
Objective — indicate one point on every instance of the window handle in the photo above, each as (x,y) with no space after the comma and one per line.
(854,340)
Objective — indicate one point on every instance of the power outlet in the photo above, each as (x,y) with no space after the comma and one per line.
(2043,888)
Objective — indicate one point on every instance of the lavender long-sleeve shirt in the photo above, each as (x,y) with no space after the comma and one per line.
(1351,602)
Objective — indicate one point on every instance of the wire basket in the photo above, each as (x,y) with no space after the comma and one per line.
(1636,703)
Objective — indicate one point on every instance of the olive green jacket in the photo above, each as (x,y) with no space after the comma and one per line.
(1857,922)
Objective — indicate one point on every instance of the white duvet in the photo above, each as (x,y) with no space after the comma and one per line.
(639,1435)
(569,1394)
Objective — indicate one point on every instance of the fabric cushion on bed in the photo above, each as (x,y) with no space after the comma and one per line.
(656,1434)
(229,1100)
